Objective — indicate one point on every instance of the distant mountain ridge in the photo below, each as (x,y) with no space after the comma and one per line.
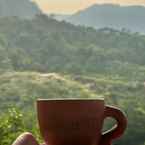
(20,8)
(110,15)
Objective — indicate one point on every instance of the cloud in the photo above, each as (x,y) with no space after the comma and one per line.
(123,2)
(70,6)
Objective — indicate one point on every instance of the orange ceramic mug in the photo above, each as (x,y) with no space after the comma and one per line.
(78,122)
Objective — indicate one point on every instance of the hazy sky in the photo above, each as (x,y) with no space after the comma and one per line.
(71,6)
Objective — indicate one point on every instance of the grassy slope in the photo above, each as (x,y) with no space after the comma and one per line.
(25,87)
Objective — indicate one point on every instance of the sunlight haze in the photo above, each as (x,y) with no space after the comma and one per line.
(71,6)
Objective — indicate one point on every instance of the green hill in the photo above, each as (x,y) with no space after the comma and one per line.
(21,8)
(26,87)
(45,58)
(21,90)
(45,45)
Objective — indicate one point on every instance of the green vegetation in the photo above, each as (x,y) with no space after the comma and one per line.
(43,58)
(26,88)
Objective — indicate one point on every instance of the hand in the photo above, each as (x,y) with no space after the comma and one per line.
(26,139)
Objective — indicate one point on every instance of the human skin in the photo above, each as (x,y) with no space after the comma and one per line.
(26,139)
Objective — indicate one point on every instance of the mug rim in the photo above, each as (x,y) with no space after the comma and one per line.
(69,99)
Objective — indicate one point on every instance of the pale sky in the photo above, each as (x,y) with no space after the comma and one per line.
(71,6)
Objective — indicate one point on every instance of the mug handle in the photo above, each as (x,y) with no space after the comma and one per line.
(118,129)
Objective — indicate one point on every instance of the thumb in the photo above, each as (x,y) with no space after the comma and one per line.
(25,139)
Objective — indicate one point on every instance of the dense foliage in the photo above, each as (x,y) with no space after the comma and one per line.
(44,45)
(50,59)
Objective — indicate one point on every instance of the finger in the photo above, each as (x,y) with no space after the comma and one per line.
(25,139)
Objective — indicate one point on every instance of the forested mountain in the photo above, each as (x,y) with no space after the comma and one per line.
(45,45)
(20,8)
(42,57)
(113,16)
